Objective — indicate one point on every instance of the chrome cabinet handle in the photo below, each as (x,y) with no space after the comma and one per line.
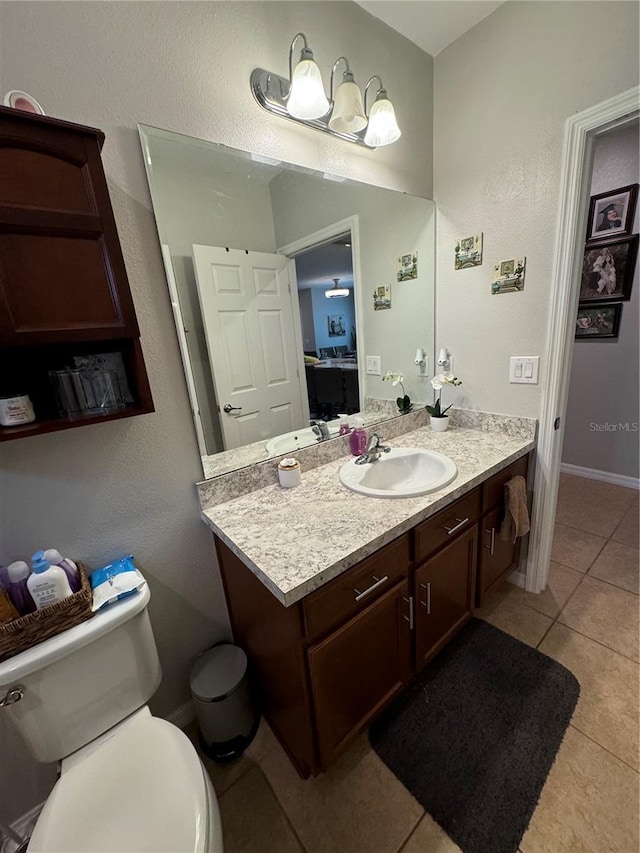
(461,523)
(427,603)
(409,618)
(378,582)
(12,696)
(492,534)
(227,408)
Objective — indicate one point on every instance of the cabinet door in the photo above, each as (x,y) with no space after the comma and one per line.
(359,668)
(497,556)
(444,590)
(62,274)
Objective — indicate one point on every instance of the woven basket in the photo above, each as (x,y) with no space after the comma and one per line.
(27,631)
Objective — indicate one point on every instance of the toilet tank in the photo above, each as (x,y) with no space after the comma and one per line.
(82,682)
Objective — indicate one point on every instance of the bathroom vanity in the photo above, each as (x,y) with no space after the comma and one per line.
(332,642)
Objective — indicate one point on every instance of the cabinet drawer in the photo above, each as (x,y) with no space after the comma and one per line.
(445,525)
(355,589)
(493,489)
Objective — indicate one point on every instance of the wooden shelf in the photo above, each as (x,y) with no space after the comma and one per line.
(55,424)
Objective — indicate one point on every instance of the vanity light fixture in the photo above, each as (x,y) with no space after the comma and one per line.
(302,99)
(336,292)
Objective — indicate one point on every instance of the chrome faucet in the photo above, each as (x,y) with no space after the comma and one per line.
(320,430)
(374,450)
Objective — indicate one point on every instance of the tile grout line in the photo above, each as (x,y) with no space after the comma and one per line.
(281,806)
(415,829)
(572,725)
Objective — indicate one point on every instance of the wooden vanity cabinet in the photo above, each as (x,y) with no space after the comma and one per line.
(497,557)
(63,283)
(328,665)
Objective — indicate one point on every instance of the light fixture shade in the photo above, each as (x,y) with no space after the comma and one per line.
(383,128)
(348,111)
(307,99)
(336,292)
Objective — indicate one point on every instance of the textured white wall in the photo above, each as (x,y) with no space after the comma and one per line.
(104,490)
(605,381)
(503,92)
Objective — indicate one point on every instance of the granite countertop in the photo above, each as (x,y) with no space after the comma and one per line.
(296,540)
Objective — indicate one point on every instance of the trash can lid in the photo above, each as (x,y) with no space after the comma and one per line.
(218,672)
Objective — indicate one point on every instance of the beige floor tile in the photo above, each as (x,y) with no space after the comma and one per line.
(358,806)
(588,805)
(252,819)
(428,837)
(592,505)
(562,583)
(627,531)
(575,548)
(607,710)
(606,614)
(505,610)
(618,564)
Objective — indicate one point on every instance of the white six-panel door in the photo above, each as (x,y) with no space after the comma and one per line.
(248,320)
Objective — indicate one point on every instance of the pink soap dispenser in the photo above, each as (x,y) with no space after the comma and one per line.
(358,437)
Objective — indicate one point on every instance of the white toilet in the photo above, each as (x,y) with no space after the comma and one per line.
(129,782)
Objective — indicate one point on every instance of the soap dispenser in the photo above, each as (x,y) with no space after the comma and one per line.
(358,437)
(48,583)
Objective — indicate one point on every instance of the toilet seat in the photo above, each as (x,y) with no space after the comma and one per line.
(144,790)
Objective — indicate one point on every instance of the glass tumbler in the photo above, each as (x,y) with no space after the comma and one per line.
(102,389)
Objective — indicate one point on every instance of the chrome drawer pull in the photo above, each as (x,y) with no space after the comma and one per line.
(409,618)
(378,582)
(427,604)
(492,534)
(461,523)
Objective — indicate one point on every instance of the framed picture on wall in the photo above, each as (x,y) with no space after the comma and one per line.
(336,326)
(607,270)
(595,321)
(612,213)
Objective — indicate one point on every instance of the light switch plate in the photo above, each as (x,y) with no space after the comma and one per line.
(373,365)
(523,369)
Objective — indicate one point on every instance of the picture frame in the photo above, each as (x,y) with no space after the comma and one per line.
(508,276)
(595,321)
(336,324)
(382,297)
(607,270)
(611,213)
(408,266)
(468,252)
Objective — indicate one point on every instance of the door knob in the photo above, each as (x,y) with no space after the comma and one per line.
(229,408)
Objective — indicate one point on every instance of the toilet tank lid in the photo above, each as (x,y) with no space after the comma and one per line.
(55,648)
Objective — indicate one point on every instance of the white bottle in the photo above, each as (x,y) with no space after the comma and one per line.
(48,583)
(68,566)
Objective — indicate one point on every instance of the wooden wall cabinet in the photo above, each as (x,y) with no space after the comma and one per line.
(329,664)
(63,284)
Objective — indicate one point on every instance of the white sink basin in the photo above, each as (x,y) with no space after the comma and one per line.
(404,472)
(289,442)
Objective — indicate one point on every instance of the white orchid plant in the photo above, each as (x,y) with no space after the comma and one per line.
(437,383)
(404,402)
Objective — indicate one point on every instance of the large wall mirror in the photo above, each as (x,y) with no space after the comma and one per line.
(278,279)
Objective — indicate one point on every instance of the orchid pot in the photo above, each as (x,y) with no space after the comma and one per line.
(439,416)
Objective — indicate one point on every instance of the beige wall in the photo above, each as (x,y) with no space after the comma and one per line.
(503,92)
(109,489)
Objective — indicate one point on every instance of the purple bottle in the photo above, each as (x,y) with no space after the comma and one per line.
(69,567)
(17,575)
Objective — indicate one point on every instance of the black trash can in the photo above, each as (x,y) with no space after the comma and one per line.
(223,700)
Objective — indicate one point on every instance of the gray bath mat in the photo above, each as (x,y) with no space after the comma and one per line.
(475,737)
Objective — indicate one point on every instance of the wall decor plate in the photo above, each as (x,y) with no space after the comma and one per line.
(22,101)
(508,276)
(595,321)
(408,267)
(607,270)
(612,213)
(468,252)
(382,297)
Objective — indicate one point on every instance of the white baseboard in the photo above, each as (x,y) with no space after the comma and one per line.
(183,715)
(517,578)
(605,476)
(23,827)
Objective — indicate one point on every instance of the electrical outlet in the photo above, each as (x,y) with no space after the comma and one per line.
(523,369)
(373,365)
